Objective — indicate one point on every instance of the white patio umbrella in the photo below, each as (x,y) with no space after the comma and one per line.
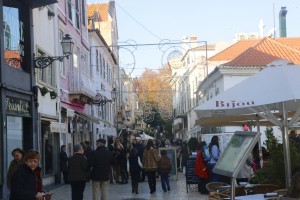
(274,90)
(146,136)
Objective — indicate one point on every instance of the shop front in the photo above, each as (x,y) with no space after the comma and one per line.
(18,94)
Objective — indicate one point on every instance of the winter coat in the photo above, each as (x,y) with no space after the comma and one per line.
(25,184)
(100,161)
(201,168)
(150,159)
(134,164)
(63,161)
(78,168)
(11,170)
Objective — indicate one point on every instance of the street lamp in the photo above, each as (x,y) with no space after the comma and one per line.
(67,48)
(114,93)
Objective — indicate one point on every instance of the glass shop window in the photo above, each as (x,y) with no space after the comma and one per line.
(47,148)
(13,33)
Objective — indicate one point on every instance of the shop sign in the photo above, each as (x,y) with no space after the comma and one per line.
(16,106)
(56,127)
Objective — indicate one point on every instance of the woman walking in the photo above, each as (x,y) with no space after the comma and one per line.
(134,166)
(78,168)
(214,150)
(150,159)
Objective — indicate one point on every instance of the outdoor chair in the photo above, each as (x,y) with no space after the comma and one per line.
(263,188)
(213,186)
(282,192)
(239,191)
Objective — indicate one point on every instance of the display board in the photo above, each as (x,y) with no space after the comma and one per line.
(190,176)
(236,153)
(171,153)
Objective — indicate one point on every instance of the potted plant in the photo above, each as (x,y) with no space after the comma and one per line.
(53,95)
(44,91)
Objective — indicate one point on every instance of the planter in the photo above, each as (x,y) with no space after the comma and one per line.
(53,95)
(44,91)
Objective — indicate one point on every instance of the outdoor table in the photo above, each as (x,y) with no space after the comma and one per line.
(223,187)
(253,196)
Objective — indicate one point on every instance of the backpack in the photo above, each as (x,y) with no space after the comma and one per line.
(164,165)
(206,153)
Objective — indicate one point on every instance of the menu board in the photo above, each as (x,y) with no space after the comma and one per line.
(236,153)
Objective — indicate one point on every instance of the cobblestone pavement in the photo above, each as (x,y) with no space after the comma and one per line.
(123,192)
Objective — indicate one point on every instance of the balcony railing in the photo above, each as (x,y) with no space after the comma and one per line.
(82,88)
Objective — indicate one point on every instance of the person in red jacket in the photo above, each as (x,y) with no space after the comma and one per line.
(201,169)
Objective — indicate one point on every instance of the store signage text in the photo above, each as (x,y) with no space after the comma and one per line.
(17,106)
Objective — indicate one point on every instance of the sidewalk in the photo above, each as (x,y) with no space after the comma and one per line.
(123,192)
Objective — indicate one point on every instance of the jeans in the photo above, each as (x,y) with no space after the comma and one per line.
(77,189)
(102,186)
(164,179)
(152,180)
(214,177)
(135,177)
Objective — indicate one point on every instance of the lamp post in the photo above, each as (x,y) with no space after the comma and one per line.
(67,48)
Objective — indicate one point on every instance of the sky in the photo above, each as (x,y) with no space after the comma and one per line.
(157,22)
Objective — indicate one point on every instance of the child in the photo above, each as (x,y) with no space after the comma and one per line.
(164,168)
(134,166)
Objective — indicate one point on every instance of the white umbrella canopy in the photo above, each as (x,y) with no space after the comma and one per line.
(274,90)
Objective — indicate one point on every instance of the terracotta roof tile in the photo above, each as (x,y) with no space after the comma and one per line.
(234,50)
(101,8)
(291,42)
(264,52)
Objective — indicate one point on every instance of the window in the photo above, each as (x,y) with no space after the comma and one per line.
(217,91)
(83,13)
(77,13)
(46,75)
(13,34)
(97,61)
(84,66)
(102,67)
(75,60)
(62,69)
(70,9)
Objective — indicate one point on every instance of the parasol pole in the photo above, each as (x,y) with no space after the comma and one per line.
(286,149)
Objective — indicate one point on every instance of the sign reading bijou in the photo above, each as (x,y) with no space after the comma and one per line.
(16,106)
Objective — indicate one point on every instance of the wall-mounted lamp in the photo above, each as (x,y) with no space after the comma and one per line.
(100,100)
(67,48)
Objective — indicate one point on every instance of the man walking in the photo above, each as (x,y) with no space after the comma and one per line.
(100,161)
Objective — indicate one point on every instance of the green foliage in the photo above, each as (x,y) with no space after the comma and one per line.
(275,169)
(193,144)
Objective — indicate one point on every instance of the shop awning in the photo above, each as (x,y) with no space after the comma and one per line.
(38,3)
(56,127)
(88,117)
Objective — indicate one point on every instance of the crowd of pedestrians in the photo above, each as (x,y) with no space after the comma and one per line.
(111,162)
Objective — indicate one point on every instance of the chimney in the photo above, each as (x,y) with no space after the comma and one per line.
(282,22)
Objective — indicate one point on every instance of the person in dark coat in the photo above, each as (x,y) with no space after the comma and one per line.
(14,164)
(64,163)
(111,148)
(88,149)
(100,161)
(184,155)
(140,151)
(134,166)
(77,169)
(26,182)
